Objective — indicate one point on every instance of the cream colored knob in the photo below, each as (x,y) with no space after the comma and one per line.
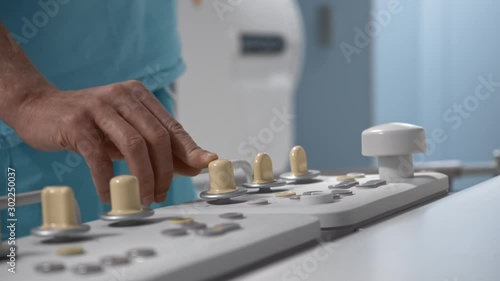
(298,166)
(263,169)
(298,161)
(125,196)
(59,209)
(221,175)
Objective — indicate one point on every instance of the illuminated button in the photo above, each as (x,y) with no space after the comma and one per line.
(373,183)
(49,267)
(115,260)
(221,175)
(70,251)
(181,220)
(356,175)
(342,192)
(345,178)
(285,194)
(260,201)
(194,225)
(125,195)
(316,199)
(174,232)
(345,184)
(141,253)
(87,268)
(231,216)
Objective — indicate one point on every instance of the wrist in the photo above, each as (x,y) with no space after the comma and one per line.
(18,97)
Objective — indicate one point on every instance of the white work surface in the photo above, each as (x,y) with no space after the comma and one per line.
(453,239)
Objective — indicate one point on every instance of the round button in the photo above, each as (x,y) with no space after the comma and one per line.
(285,194)
(70,251)
(316,199)
(295,197)
(231,216)
(141,253)
(115,260)
(174,232)
(260,201)
(194,225)
(48,267)
(180,220)
(87,268)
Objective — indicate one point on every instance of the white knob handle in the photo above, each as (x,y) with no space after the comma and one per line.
(393,144)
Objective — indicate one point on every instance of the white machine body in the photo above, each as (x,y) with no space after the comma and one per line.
(243,66)
(189,257)
(348,213)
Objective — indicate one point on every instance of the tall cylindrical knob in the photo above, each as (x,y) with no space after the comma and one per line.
(263,169)
(221,175)
(125,195)
(59,209)
(298,161)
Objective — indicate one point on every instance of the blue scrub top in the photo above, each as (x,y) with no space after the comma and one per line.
(79,44)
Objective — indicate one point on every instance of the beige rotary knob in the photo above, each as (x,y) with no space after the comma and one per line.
(60,212)
(298,166)
(263,174)
(126,200)
(222,183)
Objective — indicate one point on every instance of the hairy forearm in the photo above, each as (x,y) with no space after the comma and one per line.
(19,79)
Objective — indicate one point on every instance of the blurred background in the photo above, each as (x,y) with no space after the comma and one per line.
(266,75)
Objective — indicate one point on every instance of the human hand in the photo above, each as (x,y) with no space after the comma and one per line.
(111,122)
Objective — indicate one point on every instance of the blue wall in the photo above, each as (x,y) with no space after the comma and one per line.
(333,99)
(428,62)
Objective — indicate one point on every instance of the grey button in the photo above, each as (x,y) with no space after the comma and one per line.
(115,260)
(212,232)
(220,229)
(260,201)
(232,216)
(194,225)
(47,267)
(373,183)
(87,268)
(295,197)
(344,184)
(342,192)
(174,232)
(312,192)
(141,253)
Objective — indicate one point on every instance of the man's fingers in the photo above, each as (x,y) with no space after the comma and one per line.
(101,168)
(183,146)
(133,147)
(184,169)
(157,140)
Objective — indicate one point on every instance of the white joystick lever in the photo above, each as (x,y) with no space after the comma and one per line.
(394,145)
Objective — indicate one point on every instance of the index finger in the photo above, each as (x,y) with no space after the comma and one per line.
(183,146)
